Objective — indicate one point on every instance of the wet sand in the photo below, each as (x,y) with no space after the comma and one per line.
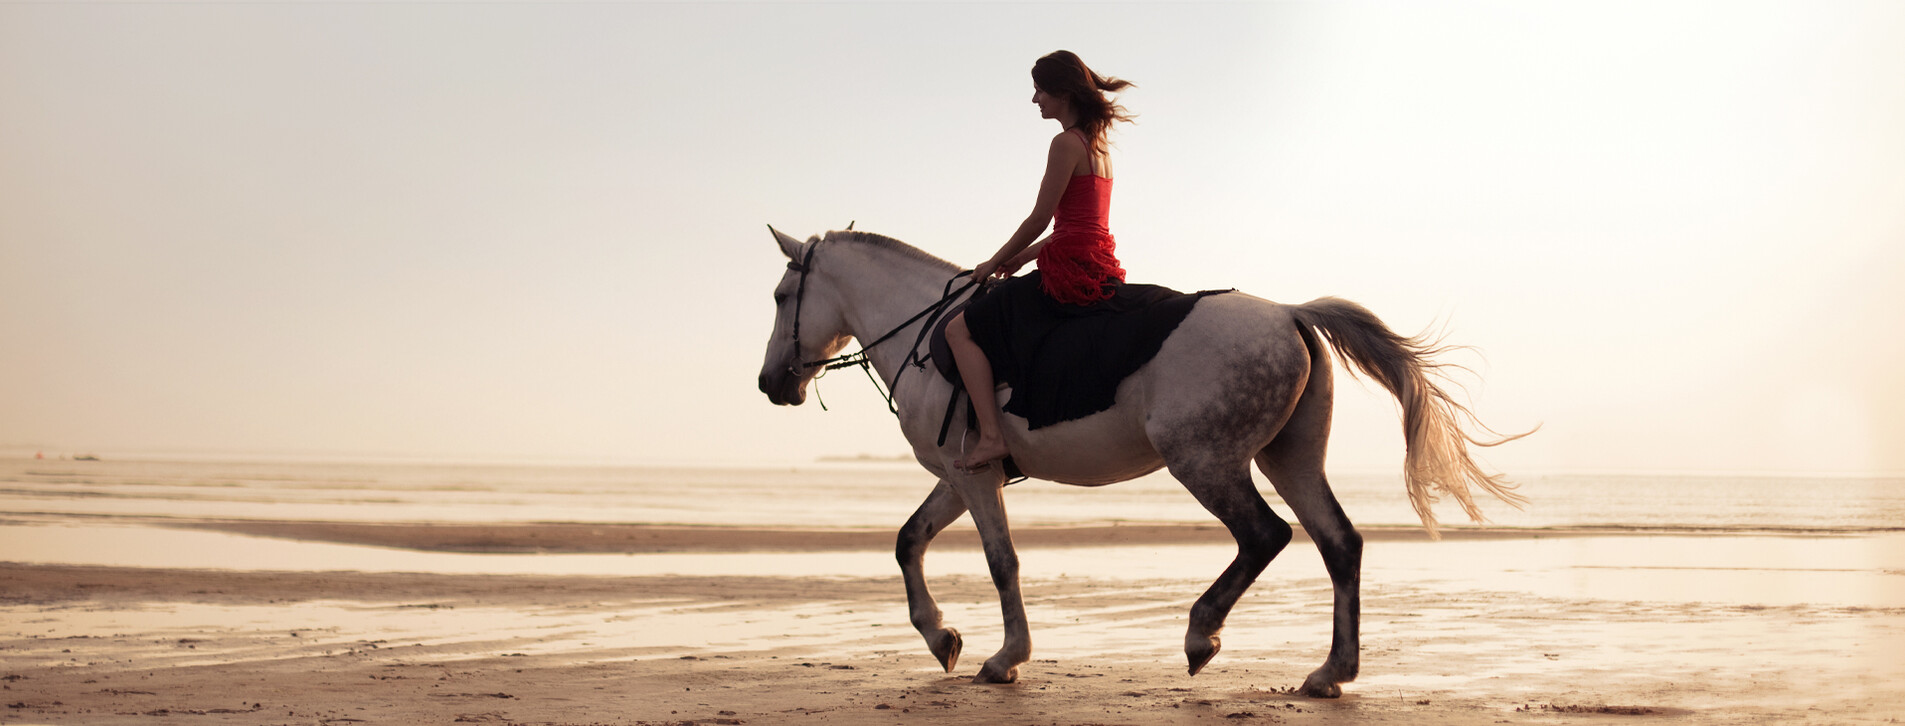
(1508,628)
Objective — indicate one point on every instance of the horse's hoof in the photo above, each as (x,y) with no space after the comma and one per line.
(1201,653)
(1315,688)
(988,674)
(946,648)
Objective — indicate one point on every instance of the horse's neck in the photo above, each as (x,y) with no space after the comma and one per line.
(882,289)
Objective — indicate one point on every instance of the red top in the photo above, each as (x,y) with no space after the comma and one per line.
(1080,259)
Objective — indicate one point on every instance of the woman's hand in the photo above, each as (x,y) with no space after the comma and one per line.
(994,268)
(984,271)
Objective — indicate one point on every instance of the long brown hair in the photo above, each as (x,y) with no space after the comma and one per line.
(1061,73)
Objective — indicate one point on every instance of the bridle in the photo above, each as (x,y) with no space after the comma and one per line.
(800,296)
(859,357)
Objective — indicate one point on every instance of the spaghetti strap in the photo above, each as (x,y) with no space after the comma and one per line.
(1091,157)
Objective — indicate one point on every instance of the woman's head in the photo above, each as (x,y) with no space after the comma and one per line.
(1061,74)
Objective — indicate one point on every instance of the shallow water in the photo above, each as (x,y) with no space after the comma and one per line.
(877,495)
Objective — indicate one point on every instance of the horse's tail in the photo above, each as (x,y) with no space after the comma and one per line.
(1438,457)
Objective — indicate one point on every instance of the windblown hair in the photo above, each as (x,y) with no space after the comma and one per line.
(1061,73)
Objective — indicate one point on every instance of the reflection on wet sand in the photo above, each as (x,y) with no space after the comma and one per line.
(1735,569)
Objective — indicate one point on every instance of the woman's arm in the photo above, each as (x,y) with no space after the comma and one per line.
(1060,160)
(1023,258)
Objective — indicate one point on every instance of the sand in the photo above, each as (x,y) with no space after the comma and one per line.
(1495,636)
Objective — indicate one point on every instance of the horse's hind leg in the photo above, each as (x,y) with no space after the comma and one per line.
(1226,490)
(941,508)
(1294,464)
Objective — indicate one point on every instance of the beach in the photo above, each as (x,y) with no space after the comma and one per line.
(182,593)
(1540,630)
(436,363)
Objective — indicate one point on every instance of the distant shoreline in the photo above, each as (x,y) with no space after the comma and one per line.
(865,459)
(134,455)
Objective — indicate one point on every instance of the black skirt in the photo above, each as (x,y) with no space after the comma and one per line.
(1066,361)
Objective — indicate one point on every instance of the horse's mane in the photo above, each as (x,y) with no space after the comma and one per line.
(886,243)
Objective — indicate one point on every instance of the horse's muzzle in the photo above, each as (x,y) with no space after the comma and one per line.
(784,387)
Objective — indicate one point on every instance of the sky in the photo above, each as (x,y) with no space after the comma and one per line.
(1672,231)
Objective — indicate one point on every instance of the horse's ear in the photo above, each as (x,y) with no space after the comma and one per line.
(789,245)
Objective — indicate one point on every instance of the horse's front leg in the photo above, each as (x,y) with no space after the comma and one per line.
(984,496)
(941,508)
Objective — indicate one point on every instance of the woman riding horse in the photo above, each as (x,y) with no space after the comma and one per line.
(1077,268)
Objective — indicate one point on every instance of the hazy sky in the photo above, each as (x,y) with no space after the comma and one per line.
(495,230)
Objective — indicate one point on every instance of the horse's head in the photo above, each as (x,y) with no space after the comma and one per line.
(809,324)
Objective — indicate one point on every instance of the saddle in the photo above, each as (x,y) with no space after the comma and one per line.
(1063,362)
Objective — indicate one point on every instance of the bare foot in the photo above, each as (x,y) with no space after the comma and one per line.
(983,454)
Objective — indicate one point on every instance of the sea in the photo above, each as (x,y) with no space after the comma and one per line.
(858,494)
(1750,539)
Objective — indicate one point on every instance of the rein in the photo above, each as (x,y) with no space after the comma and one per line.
(859,357)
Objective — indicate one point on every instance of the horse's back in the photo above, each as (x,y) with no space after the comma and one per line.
(1228,377)
(1233,325)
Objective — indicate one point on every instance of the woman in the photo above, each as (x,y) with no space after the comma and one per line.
(1076,265)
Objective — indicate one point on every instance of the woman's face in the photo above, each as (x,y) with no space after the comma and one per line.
(1048,104)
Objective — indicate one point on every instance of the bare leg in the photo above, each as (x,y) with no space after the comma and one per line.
(976,371)
(941,508)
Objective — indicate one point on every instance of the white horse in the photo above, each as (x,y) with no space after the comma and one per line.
(1240,379)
